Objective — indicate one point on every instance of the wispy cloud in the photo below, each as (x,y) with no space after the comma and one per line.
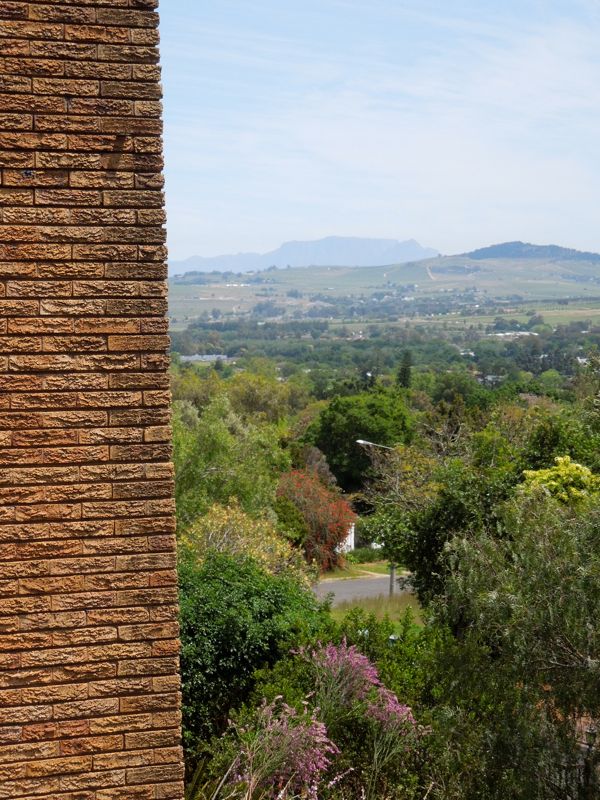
(458,128)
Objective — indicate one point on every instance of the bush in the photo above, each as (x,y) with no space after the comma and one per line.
(282,754)
(231,530)
(218,456)
(290,522)
(235,618)
(327,516)
(364,555)
(569,482)
(373,733)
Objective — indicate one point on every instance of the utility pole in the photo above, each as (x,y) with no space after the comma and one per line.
(365,443)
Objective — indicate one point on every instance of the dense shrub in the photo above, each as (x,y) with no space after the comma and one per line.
(235,618)
(374,734)
(290,522)
(364,555)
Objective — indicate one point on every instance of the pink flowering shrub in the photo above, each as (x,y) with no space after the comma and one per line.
(353,703)
(351,738)
(284,754)
(389,713)
(344,678)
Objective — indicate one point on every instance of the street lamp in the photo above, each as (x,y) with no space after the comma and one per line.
(589,763)
(365,443)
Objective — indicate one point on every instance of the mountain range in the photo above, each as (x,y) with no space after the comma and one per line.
(329,252)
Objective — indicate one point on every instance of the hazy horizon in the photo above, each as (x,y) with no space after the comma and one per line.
(458,128)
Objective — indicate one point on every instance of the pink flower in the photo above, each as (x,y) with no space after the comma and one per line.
(389,712)
(289,752)
(347,668)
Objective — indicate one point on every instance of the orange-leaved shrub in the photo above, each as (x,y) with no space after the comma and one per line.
(327,514)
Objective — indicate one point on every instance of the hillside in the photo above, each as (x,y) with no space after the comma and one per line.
(520,250)
(506,272)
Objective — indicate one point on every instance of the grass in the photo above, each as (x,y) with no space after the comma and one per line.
(359,570)
(392,607)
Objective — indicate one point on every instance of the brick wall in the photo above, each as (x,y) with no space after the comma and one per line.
(89,703)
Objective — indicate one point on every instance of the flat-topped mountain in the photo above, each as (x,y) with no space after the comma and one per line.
(332,251)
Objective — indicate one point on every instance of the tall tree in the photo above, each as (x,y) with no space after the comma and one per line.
(405,371)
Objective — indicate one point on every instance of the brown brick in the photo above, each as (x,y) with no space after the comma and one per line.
(131,54)
(32,67)
(34,104)
(132,19)
(14,47)
(169,791)
(32,141)
(62,13)
(72,307)
(92,744)
(68,197)
(127,793)
(13,10)
(59,49)
(14,158)
(156,739)
(158,773)
(93,33)
(15,197)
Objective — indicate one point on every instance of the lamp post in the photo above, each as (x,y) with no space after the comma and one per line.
(365,443)
(589,764)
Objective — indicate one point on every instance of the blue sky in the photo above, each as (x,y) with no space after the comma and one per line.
(456,122)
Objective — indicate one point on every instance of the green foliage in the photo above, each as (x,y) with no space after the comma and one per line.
(378,416)
(567,481)
(506,697)
(364,555)
(263,397)
(195,386)
(492,450)
(235,618)
(417,538)
(375,733)
(234,532)
(405,372)
(562,431)
(452,385)
(387,527)
(490,497)
(290,522)
(534,597)
(218,456)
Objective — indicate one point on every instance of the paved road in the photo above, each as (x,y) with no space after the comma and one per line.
(351,589)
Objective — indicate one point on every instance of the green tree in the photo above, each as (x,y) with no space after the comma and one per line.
(228,529)
(258,396)
(531,646)
(404,378)
(378,416)
(218,456)
(567,481)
